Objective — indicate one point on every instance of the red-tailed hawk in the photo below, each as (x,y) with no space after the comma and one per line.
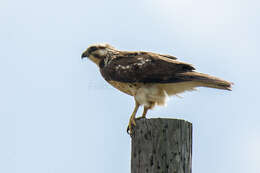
(149,77)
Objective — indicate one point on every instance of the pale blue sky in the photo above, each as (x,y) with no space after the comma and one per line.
(58,115)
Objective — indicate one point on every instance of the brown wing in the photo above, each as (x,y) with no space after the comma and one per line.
(143,67)
(168,56)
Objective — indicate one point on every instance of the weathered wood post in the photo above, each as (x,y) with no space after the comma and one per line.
(161,146)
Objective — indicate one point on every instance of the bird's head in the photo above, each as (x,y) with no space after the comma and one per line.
(97,52)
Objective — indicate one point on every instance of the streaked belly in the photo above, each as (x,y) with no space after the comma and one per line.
(128,88)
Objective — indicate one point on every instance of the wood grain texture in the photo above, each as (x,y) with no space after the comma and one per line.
(161,146)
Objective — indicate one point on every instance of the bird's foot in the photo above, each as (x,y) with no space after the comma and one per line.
(131,124)
(141,117)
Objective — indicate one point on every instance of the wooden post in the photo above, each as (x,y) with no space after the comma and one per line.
(161,146)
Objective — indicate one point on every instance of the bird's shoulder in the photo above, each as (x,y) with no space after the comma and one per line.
(143,54)
(148,59)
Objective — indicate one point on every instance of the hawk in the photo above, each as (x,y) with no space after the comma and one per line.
(149,77)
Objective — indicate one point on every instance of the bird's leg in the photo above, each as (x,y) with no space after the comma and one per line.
(144,113)
(146,108)
(132,119)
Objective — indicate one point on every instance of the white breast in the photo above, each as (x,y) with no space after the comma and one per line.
(149,94)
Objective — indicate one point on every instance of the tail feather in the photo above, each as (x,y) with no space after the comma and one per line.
(205,80)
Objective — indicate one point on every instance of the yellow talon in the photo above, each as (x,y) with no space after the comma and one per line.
(132,120)
(131,124)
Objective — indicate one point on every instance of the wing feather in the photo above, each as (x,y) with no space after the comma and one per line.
(143,67)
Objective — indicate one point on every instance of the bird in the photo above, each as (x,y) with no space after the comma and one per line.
(150,78)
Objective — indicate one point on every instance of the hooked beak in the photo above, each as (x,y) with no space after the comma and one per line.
(84,55)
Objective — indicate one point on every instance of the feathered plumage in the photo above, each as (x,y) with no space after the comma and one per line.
(149,77)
